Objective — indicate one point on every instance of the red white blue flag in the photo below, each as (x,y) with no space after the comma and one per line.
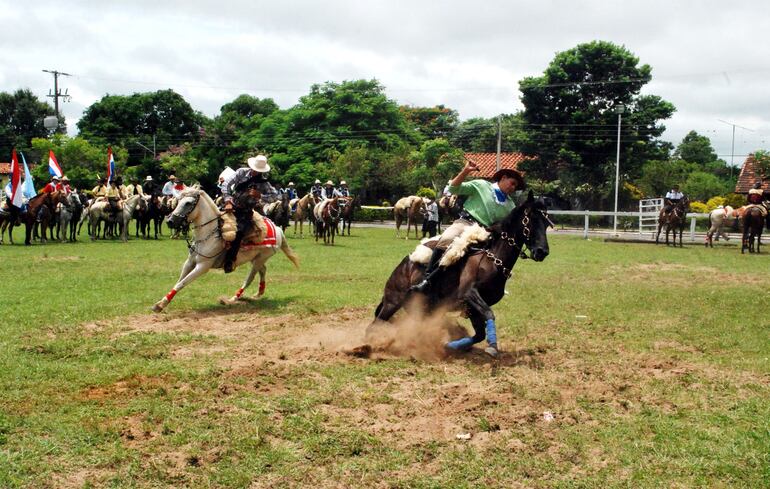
(16,193)
(110,165)
(53,166)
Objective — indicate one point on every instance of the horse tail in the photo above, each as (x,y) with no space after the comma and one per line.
(289,252)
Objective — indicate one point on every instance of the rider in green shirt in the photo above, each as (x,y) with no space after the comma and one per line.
(486,203)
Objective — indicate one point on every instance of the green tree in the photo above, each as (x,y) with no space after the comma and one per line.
(431,122)
(21,120)
(479,135)
(571,126)
(658,176)
(143,120)
(82,161)
(696,149)
(437,161)
(702,186)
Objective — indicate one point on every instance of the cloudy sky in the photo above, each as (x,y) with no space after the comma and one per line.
(711,59)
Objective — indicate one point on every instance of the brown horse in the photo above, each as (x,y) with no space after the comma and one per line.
(409,209)
(327,216)
(279,211)
(753,222)
(477,281)
(675,220)
(304,211)
(448,206)
(347,204)
(45,202)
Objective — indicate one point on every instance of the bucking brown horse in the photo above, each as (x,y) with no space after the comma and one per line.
(477,281)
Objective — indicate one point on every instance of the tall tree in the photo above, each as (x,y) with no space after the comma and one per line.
(571,126)
(480,135)
(21,120)
(431,122)
(132,121)
(696,149)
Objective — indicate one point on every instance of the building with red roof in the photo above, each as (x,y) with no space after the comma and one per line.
(487,162)
(750,174)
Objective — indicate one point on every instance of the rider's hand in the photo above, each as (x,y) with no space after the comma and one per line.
(229,207)
(470,166)
(255,194)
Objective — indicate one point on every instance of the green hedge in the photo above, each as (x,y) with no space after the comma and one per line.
(373,214)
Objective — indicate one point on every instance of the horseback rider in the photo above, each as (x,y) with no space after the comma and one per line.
(150,186)
(101,188)
(673,197)
(344,191)
(316,189)
(242,191)
(756,198)
(134,188)
(65,185)
(115,195)
(178,187)
(291,191)
(52,186)
(329,192)
(487,203)
(168,187)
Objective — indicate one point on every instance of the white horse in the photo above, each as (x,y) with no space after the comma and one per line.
(208,248)
(718,218)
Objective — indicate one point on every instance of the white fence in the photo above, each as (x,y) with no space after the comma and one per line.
(639,215)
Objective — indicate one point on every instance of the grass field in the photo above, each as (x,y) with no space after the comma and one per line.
(654,363)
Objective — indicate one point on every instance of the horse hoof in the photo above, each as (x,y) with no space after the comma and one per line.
(158,307)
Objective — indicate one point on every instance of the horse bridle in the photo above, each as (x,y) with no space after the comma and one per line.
(511,241)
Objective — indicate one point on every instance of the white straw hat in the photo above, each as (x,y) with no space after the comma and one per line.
(259,163)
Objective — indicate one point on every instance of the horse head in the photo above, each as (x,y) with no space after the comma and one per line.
(185,208)
(527,225)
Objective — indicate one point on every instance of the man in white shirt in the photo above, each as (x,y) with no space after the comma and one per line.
(168,188)
(673,197)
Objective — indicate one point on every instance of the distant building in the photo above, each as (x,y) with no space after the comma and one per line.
(487,162)
(748,176)
(5,169)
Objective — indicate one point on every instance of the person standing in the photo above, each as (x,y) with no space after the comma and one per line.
(430,222)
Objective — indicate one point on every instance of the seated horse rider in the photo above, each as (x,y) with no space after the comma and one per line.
(316,189)
(114,196)
(756,197)
(487,203)
(101,188)
(291,191)
(329,192)
(242,192)
(673,197)
(344,190)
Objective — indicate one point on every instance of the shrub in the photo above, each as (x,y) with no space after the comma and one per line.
(715,202)
(426,192)
(373,214)
(735,200)
(696,206)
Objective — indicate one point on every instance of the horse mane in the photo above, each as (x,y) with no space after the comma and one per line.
(193,192)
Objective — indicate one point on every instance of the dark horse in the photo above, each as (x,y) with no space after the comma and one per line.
(675,220)
(47,202)
(477,281)
(752,229)
(347,213)
(326,222)
(279,211)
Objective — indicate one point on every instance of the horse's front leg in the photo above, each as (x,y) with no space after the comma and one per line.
(482,313)
(198,270)
(249,279)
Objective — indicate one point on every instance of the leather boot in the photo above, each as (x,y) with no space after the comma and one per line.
(430,272)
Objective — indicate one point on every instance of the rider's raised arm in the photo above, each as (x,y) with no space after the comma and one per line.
(232,182)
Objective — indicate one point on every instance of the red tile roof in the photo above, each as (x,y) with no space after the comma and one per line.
(5,168)
(487,162)
(748,176)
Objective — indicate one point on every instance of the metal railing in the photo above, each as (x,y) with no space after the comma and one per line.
(640,215)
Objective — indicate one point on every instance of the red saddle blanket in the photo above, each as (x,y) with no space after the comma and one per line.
(270,237)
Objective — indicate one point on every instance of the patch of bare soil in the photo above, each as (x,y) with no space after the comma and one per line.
(679,274)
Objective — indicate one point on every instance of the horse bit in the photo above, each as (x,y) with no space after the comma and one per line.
(511,241)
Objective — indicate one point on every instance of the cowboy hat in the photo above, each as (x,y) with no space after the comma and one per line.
(329,182)
(259,164)
(509,172)
(291,184)
(317,181)
(171,177)
(148,178)
(343,182)
(55,178)
(65,179)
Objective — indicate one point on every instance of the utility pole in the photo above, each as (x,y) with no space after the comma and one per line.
(732,147)
(499,141)
(56,92)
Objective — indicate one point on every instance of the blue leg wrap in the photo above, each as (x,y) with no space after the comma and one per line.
(461,344)
(491,332)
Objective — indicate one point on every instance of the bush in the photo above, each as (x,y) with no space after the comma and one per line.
(700,207)
(715,202)
(426,192)
(735,200)
(373,214)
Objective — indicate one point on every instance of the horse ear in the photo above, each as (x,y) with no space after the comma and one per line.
(531,196)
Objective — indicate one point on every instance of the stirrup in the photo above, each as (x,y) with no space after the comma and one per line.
(421,287)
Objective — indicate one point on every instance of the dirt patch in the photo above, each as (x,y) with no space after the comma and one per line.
(133,386)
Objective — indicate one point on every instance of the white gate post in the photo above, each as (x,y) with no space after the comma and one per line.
(692,229)
(585,227)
